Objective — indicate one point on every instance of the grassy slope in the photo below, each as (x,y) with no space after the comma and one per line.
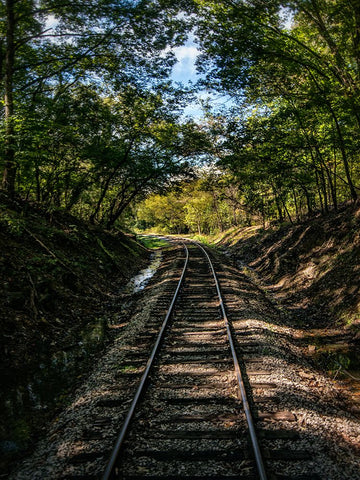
(58,276)
(55,269)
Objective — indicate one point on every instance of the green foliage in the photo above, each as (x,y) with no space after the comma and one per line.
(92,124)
(335,362)
(203,239)
(90,119)
(13,222)
(162,212)
(152,242)
(205,205)
(293,138)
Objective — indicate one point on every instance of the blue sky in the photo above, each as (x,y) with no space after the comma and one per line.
(185,71)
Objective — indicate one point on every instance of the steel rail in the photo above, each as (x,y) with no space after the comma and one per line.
(120,440)
(254,441)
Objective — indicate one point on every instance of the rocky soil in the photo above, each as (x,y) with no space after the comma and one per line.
(108,384)
(62,283)
(312,266)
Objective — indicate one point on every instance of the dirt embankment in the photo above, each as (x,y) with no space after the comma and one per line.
(314,265)
(313,270)
(55,273)
(59,282)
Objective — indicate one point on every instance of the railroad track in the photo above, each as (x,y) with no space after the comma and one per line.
(201,391)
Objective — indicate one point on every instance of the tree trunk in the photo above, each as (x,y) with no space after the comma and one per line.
(330,196)
(278,207)
(218,216)
(324,189)
(296,205)
(334,176)
(308,199)
(287,211)
(9,151)
(344,156)
(107,182)
(319,191)
(123,201)
(331,185)
(341,141)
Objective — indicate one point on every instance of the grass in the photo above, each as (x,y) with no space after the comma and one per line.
(205,239)
(228,237)
(152,242)
(214,240)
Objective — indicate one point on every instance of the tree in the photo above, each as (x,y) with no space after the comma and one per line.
(204,205)
(165,213)
(310,68)
(50,45)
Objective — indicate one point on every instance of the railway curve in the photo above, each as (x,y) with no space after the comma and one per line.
(191,421)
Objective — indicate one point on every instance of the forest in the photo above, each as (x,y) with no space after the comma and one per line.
(252,150)
(93,124)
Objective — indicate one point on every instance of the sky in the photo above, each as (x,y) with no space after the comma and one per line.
(184,71)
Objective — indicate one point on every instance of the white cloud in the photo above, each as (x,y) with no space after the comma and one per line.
(51,22)
(186,52)
(185,68)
